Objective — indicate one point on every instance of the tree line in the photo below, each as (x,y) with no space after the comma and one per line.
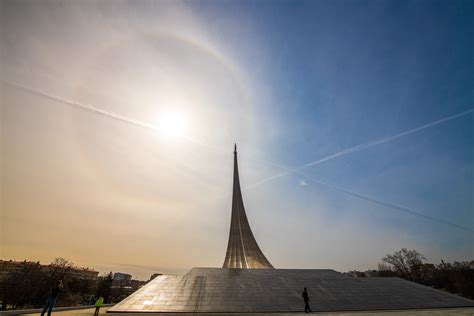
(29,286)
(456,277)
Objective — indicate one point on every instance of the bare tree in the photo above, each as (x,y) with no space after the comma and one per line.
(407,262)
(62,263)
(58,270)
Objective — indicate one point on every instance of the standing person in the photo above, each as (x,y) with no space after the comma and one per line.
(98,304)
(305,295)
(52,297)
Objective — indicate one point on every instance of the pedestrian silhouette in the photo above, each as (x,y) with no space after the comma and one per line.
(305,295)
(53,295)
(98,304)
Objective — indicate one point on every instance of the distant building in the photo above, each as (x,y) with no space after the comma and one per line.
(9,266)
(83,273)
(123,285)
(119,276)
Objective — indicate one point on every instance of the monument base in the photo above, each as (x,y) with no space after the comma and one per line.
(279,290)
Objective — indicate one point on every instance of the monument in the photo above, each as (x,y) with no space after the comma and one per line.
(243,251)
(247,282)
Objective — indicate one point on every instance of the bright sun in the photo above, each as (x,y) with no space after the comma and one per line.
(173,124)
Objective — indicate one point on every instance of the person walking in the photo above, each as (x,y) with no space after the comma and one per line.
(52,297)
(98,304)
(305,295)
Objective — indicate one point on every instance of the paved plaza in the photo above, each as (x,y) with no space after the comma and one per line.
(427,312)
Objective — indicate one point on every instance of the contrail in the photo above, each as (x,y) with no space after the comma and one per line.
(364,197)
(386,139)
(363,146)
(393,206)
(99,111)
(93,109)
(83,106)
(356,148)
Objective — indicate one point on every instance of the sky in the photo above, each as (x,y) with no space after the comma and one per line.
(353,122)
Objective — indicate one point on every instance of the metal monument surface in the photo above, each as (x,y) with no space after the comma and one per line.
(279,290)
(243,251)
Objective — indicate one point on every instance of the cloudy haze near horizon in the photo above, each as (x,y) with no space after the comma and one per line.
(353,121)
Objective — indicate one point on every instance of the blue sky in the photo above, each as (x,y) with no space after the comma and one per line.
(291,81)
(342,73)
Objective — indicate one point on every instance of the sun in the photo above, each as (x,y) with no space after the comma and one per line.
(173,124)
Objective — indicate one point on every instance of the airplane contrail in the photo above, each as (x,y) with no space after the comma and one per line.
(83,106)
(391,205)
(356,148)
(93,109)
(359,148)
(387,139)
(132,121)
(362,146)
(365,197)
